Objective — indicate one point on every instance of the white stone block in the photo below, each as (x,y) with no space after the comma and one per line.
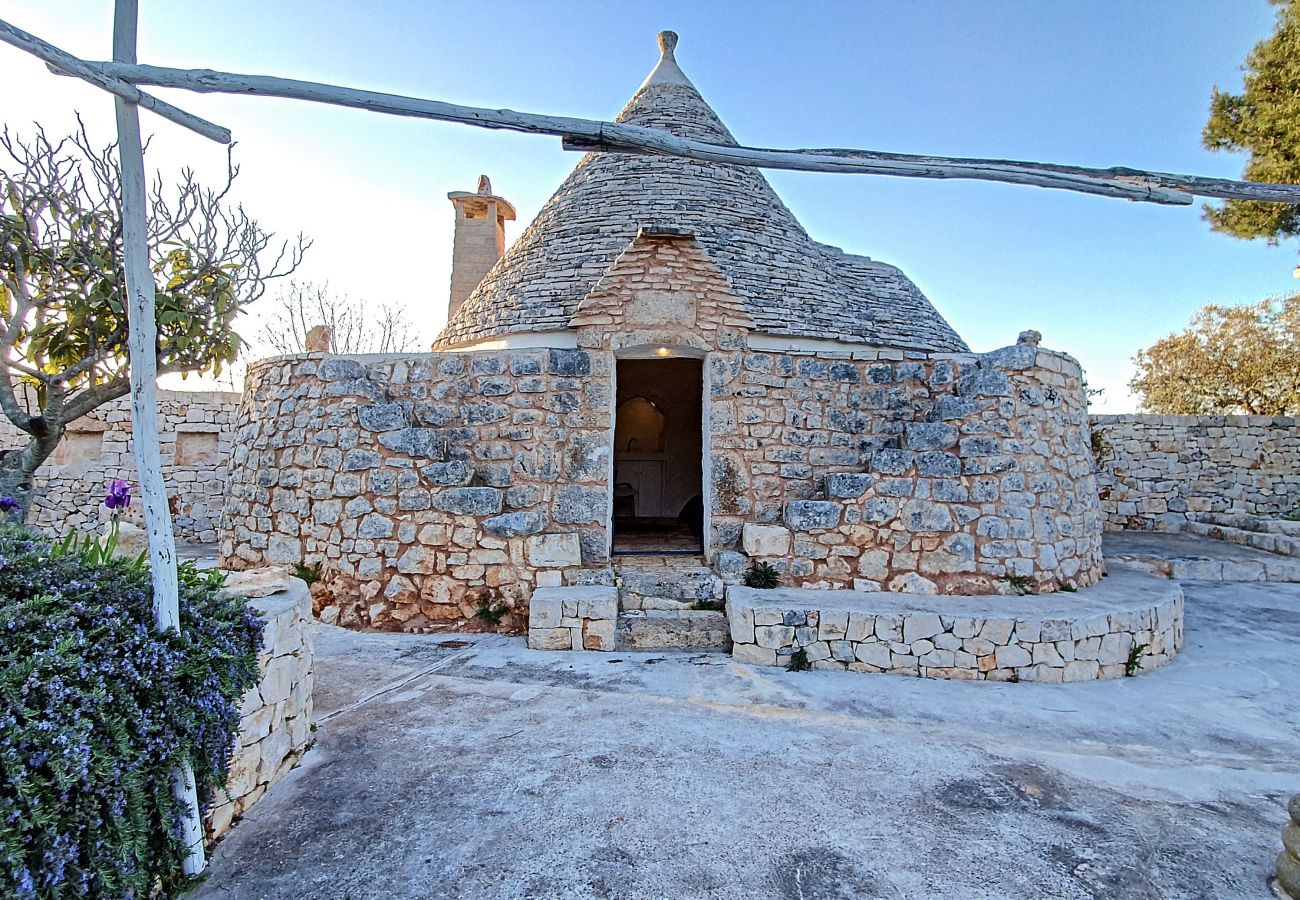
(833,625)
(920,625)
(873,653)
(861,627)
(1012,657)
(549,639)
(765,540)
(1081,670)
(741,621)
(554,551)
(751,655)
(544,611)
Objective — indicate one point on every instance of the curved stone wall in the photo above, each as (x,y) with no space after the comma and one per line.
(908,472)
(423,487)
(1129,623)
(426,487)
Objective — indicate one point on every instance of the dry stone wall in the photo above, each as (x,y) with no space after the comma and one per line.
(275,718)
(904,471)
(1160,472)
(195,434)
(424,487)
(1130,622)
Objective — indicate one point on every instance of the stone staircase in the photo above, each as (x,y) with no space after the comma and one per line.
(658,596)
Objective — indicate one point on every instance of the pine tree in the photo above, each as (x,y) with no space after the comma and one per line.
(1264,121)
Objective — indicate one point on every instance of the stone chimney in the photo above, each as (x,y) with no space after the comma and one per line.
(480,238)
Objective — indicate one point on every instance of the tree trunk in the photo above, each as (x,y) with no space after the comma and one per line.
(18,471)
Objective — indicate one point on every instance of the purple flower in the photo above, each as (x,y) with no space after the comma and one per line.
(9,504)
(118,497)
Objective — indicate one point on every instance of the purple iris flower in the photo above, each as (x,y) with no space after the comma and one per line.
(118,497)
(9,504)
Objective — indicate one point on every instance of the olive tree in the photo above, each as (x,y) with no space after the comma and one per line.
(1232,359)
(63,303)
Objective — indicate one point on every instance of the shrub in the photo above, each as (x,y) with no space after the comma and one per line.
(762,575)
(491,612)
(98,709)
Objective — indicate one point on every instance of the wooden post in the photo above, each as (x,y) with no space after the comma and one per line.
(142,344)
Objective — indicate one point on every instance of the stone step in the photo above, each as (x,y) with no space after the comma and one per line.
(667,587)
(673,630)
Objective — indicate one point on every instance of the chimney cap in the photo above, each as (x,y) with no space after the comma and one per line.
(478,200)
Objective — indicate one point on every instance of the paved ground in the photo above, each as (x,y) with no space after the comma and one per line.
(481,769)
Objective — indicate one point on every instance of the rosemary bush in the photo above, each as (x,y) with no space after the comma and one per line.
(98,709)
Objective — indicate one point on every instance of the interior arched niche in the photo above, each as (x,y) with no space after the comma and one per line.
(640,426)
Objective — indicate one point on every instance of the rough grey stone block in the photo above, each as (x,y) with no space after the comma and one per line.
(569,362)
(930,436)
(848,484)
(517,524)
(338,369)
(809,515)
(418,442)
(453,472)
(358,459)
(579,505)
(382,416)
(469,501)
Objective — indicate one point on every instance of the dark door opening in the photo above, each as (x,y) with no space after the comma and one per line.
(658,448)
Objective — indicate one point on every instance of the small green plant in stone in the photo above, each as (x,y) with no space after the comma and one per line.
(309,574)
(710,605)
(492,612)
(762,575)
(1067,587)
(1135,660)
(1099,446)
(1022,584)
(799,661)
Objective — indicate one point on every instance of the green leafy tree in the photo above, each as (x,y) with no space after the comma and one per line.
(1264,121)
(63,308)
(1232,360)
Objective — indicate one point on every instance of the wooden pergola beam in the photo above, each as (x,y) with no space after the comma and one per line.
(600,136)
(64,62)
(591,134)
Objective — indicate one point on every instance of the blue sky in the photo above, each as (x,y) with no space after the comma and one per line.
(1102,83)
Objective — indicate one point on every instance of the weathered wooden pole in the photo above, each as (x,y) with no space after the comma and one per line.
(142,342)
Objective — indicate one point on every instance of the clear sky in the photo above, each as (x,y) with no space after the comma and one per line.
(1110,82)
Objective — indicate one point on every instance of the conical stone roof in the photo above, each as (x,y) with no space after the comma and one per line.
(790,284)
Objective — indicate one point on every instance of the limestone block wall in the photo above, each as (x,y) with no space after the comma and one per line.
(424,486)
(906,471)
(1128,623)
(1159,472)
(196,436)
(275,719)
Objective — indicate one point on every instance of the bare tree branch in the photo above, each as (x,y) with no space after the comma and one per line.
(355,326)
(63,309)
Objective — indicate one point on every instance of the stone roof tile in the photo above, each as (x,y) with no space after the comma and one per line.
(790,284)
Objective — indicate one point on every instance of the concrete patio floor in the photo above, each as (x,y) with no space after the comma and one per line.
(473,767)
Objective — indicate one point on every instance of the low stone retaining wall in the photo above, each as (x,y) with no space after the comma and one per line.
(275,719)
(573,618)
(1163,471)
(1079,636)
(1280,536)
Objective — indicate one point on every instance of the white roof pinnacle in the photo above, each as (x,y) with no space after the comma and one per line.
(667,71)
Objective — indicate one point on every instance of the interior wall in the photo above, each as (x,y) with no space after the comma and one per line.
(675,387)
